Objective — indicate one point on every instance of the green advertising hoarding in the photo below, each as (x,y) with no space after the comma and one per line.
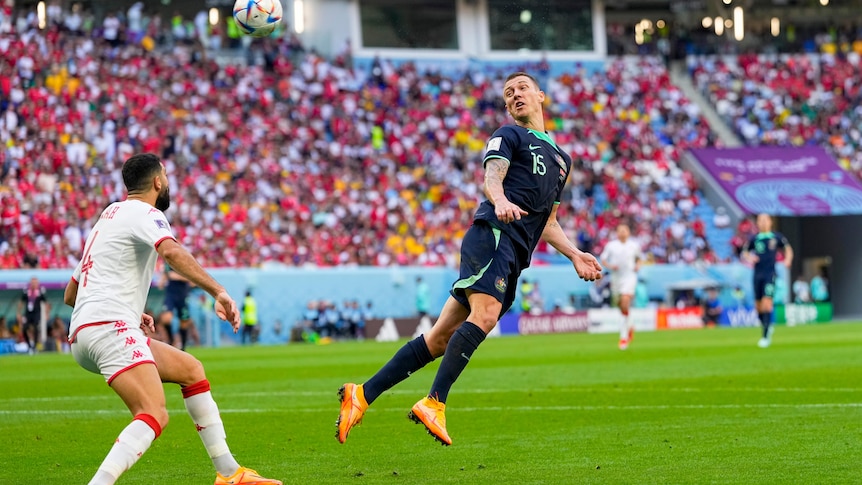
(803,313)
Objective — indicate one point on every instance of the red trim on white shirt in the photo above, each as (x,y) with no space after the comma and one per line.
(163,240)
(73,279)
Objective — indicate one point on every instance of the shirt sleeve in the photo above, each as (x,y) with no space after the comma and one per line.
(76,275)
(501,145)
(153,228)
(782,241)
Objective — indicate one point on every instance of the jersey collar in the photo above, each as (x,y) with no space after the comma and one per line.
(544,136)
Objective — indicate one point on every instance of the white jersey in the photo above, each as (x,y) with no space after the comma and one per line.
(116,271)
(624,256)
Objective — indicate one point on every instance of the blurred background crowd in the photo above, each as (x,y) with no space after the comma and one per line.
(300,160)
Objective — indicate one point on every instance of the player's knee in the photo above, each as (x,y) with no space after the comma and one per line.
(194,371)
(485,318)
(197,371)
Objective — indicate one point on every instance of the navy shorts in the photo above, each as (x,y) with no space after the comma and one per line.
(764,285)
(175,301)
(489,265)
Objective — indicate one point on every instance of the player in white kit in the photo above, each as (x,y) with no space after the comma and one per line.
(622,257)
(108,332)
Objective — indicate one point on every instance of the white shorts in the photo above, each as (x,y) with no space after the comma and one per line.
(624,285)
(110,348)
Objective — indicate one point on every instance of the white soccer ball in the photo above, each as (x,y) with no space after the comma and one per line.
(257,18)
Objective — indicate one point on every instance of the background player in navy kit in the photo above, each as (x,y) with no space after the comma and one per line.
(177,289)
(762,250)
(525,173)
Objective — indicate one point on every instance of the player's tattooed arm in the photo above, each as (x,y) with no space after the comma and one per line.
(495,172)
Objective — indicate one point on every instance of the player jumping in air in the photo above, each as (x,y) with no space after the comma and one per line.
(525,172)
(108,291)
(761,250)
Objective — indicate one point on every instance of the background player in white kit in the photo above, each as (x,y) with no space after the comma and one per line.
(622,256)
(108,291)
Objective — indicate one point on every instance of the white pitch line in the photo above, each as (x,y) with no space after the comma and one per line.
(635,407)
(622,389)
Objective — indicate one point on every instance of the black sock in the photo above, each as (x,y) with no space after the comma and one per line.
(765,321)
(461,347)
(411,357)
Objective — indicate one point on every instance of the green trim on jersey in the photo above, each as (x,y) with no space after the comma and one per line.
(468,282)
(765,235)
(489,157)
(544,137)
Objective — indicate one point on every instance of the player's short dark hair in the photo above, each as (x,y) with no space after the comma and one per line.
(139,170)
(522,73)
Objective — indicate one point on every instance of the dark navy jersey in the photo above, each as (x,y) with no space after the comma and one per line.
(537,174)
(765,245)
(179,287)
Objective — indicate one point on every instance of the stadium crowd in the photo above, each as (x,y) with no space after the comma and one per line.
(790,100)
(301,160)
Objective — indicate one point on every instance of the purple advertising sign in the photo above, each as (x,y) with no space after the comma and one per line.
(553,323)
(792,181)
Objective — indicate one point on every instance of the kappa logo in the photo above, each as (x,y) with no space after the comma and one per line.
(500,284)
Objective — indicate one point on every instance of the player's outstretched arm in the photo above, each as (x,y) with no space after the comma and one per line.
(586,265)
(185,264)
(495,171)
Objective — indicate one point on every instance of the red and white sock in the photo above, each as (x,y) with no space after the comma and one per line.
(204,412)
(133,441)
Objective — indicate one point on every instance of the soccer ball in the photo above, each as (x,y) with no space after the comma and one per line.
(257,18)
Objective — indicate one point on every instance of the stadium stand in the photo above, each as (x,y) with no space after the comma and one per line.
(301,160)
(789,100)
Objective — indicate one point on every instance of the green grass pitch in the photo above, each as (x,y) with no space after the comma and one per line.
(700,406)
